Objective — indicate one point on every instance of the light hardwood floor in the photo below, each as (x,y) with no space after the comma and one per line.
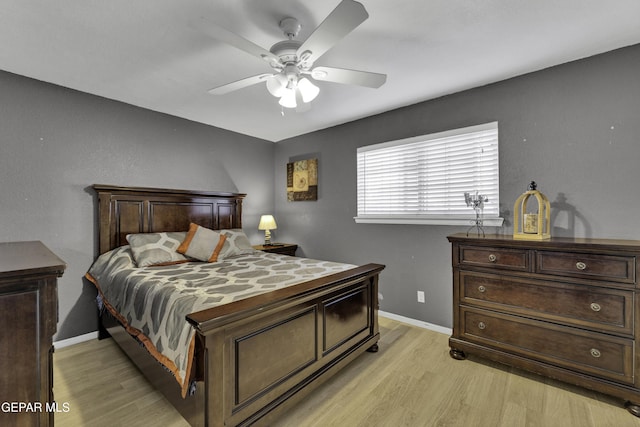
(411,381)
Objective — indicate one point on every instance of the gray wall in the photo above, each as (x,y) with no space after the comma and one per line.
(575,129)
(55,142)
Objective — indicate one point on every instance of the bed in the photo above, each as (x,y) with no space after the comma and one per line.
(239,374)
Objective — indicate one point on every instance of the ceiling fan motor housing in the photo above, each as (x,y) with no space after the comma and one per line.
(286,50)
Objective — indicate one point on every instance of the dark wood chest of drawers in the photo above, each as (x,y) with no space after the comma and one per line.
(564,308)
(28,319)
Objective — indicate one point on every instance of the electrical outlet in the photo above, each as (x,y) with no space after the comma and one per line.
(421,296)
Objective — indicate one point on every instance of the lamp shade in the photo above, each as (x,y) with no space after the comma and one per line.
(276,85)
(267,222)
(309,90)
(288,99)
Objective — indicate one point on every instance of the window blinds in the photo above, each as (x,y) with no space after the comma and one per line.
(427,176)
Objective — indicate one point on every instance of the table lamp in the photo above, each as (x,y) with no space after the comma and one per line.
(267,223)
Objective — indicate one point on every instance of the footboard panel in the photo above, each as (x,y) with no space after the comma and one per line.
(269,356)
(346,318)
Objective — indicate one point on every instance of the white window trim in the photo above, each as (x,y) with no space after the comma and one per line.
(441,219)
(370,219)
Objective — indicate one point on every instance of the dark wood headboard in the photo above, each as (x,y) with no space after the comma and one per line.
(128,210)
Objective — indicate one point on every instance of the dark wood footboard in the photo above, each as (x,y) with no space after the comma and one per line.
(271,355)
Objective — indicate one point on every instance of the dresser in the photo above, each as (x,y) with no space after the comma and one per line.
(563,308)
(28,319)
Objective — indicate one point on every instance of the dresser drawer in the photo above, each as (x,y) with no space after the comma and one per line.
(502,258)
(588,352)
(619,269)
(601,309)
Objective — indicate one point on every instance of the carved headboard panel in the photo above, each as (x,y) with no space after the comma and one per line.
(127,210)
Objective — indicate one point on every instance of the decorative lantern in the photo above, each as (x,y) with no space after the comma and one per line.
(532,225)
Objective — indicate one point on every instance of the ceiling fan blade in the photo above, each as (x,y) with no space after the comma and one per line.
(239,84)
(226,36)
(340,22)
(351,77)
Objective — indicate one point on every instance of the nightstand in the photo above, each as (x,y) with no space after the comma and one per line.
(279,248)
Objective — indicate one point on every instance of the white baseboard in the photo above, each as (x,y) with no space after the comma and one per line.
(75,340)
(410,321)
(414,322)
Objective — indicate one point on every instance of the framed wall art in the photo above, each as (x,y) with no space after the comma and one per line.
(302,180)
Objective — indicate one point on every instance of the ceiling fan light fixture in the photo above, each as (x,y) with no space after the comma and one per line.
(308,90)
(276,85)
(288,99)
(291,59)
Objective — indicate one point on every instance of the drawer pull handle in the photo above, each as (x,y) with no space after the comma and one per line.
(595,352)
(581,265)
(595,306)
(482,325)
(493,258)
(482,288)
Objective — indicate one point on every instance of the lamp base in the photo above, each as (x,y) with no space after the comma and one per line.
(531,236)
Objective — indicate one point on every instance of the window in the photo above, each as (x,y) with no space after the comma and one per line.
(422,180)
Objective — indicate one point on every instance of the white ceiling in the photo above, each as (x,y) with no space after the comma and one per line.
(150,54)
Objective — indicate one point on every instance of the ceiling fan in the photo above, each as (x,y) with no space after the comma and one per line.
(292,60)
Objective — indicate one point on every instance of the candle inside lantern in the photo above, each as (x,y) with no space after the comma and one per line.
(530,224)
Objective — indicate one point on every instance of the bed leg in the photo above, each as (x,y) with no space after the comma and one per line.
(102,331)
(457,354)
(373,349)
(633,408)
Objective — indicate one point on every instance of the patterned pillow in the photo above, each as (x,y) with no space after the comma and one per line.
(237,243)
(156,248)
(202,243)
